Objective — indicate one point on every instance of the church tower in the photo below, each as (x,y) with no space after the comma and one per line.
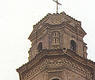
(58,51)
(58,31)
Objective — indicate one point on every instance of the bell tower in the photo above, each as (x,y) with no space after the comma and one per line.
(57,51)
(58,31)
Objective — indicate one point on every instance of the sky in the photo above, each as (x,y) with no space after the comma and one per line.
(17,18)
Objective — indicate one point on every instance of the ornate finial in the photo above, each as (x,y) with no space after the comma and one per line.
(57,3)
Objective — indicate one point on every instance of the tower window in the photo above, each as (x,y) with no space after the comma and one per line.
(73,45)
(39,46)
(55,38)
(55,34)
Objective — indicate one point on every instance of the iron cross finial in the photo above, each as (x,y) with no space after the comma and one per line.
(57,3)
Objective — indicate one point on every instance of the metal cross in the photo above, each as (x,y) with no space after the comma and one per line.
(57,3)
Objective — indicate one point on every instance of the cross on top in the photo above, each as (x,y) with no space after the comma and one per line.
(57,3)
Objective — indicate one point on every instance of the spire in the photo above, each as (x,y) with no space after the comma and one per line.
(57,3)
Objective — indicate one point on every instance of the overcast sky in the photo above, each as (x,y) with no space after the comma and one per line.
(17,18)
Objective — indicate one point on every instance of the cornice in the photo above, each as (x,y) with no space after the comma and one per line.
(58,52)
(73,29)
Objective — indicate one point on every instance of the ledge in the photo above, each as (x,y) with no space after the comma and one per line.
(45,53)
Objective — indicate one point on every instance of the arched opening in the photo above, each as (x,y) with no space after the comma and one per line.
(73,45)
(39,46)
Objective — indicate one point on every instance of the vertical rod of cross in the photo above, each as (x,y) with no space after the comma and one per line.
(57,3)
(56,6)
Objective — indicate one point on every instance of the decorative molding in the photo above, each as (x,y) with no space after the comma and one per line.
(56,59)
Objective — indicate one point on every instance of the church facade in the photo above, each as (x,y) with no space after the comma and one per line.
(58,51)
